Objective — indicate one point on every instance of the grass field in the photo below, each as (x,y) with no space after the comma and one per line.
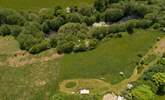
(37,4)
(36,77)
(31,81)
(109,58)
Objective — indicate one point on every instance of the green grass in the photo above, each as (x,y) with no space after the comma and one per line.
(37,4)
(70,85)
(109,58)
(160,98)
(36,81)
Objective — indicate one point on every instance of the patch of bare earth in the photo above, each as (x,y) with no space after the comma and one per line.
(22,58)
(110,96)
(160,46)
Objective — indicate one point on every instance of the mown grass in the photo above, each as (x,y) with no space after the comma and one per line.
(37,4)
(109,58)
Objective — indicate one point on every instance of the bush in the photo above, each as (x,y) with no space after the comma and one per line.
(144,24)
(134,8)
(74,17)
(86,11)
(31,28)
(89,20)
(156,26)
(113,14)
(76,29)
(53,40)
(99,5)
(39,47)
(4,30)
(15,30)
(56,23)
(45,27)
(99,32)
(15,19)
(26,41)
(65,46)
(118,27)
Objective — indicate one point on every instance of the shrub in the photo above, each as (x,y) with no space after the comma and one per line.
(86,11)
(99,32)
(118,27)
(113,14)
(4,30)
(53,40)
(65,46)
(73,17)
(76,29)
(99,5)
(130,29)
(31,28)
(45,27)
(15,30)
(89,20)
(134,8)
(56,23)
(15,19)
(39,47)
(26,41)
(144,24)
(156,26)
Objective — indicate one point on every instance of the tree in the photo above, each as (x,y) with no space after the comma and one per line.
(113,14)
(142,92)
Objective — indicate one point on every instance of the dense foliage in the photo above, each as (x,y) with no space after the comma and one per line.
(73,29)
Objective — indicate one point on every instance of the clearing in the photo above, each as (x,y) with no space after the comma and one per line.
(120,86)
(24,76)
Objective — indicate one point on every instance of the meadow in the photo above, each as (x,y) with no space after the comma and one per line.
(31,80)
(109,58)
(38,4)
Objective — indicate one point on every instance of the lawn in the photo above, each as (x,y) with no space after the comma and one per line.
(37,4)
(109,58)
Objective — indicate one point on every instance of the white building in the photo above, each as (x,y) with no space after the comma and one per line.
(84,91)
